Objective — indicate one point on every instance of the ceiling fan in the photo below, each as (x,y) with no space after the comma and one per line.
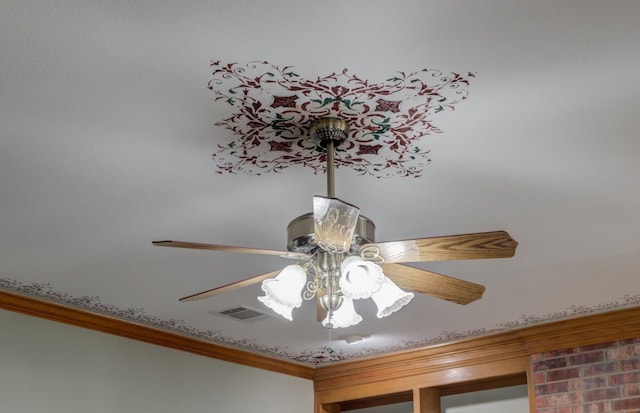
(338,260)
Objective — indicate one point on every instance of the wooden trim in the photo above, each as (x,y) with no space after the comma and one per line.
(594,329)
(488,384)
(68,315)
(410,396)
(468,362)
(531,388)
(435,378)
(376,401)
(326,408)
(426,400)
(477,360)
(440,363)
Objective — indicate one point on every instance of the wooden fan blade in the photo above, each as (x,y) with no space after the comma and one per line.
(229,248)
(433,284)
(496,244)
(229,287)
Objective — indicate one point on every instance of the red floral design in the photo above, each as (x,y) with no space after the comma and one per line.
(274,106)
(280,146)
(284,101)
(388,106)
(368,149)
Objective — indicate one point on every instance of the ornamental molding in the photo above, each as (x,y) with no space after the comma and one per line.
(314,356)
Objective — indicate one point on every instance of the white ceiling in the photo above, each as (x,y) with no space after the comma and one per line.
(107,130)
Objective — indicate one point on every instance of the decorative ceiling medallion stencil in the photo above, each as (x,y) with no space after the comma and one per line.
(274,106)
(316,356)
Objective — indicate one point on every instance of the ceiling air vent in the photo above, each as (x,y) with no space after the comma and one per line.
(242,313)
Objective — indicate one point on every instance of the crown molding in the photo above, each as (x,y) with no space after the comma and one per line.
(473,360)
(106,324)
(477,359)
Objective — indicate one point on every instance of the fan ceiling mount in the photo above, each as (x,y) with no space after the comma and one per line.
(338,260)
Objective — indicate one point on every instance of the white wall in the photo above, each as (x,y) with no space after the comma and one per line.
(52,367)
(506,400)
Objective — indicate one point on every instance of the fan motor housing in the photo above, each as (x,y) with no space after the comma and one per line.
(300,234)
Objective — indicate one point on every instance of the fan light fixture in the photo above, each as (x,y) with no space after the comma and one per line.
(337,281)
(282,293)
(339,261)
(336,275)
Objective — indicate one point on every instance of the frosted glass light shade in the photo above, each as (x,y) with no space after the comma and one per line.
(284,292)
(334,222)
(390,298)
(360,278)
(344,316)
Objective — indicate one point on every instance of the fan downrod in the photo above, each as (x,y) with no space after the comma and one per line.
(327,133)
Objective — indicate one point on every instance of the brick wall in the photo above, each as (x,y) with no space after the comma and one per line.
(597,378)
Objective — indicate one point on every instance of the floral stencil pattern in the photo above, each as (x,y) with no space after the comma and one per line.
(140,316)
(275,105)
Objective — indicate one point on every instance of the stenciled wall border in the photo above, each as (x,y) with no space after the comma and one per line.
(421,375)
(314,357)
